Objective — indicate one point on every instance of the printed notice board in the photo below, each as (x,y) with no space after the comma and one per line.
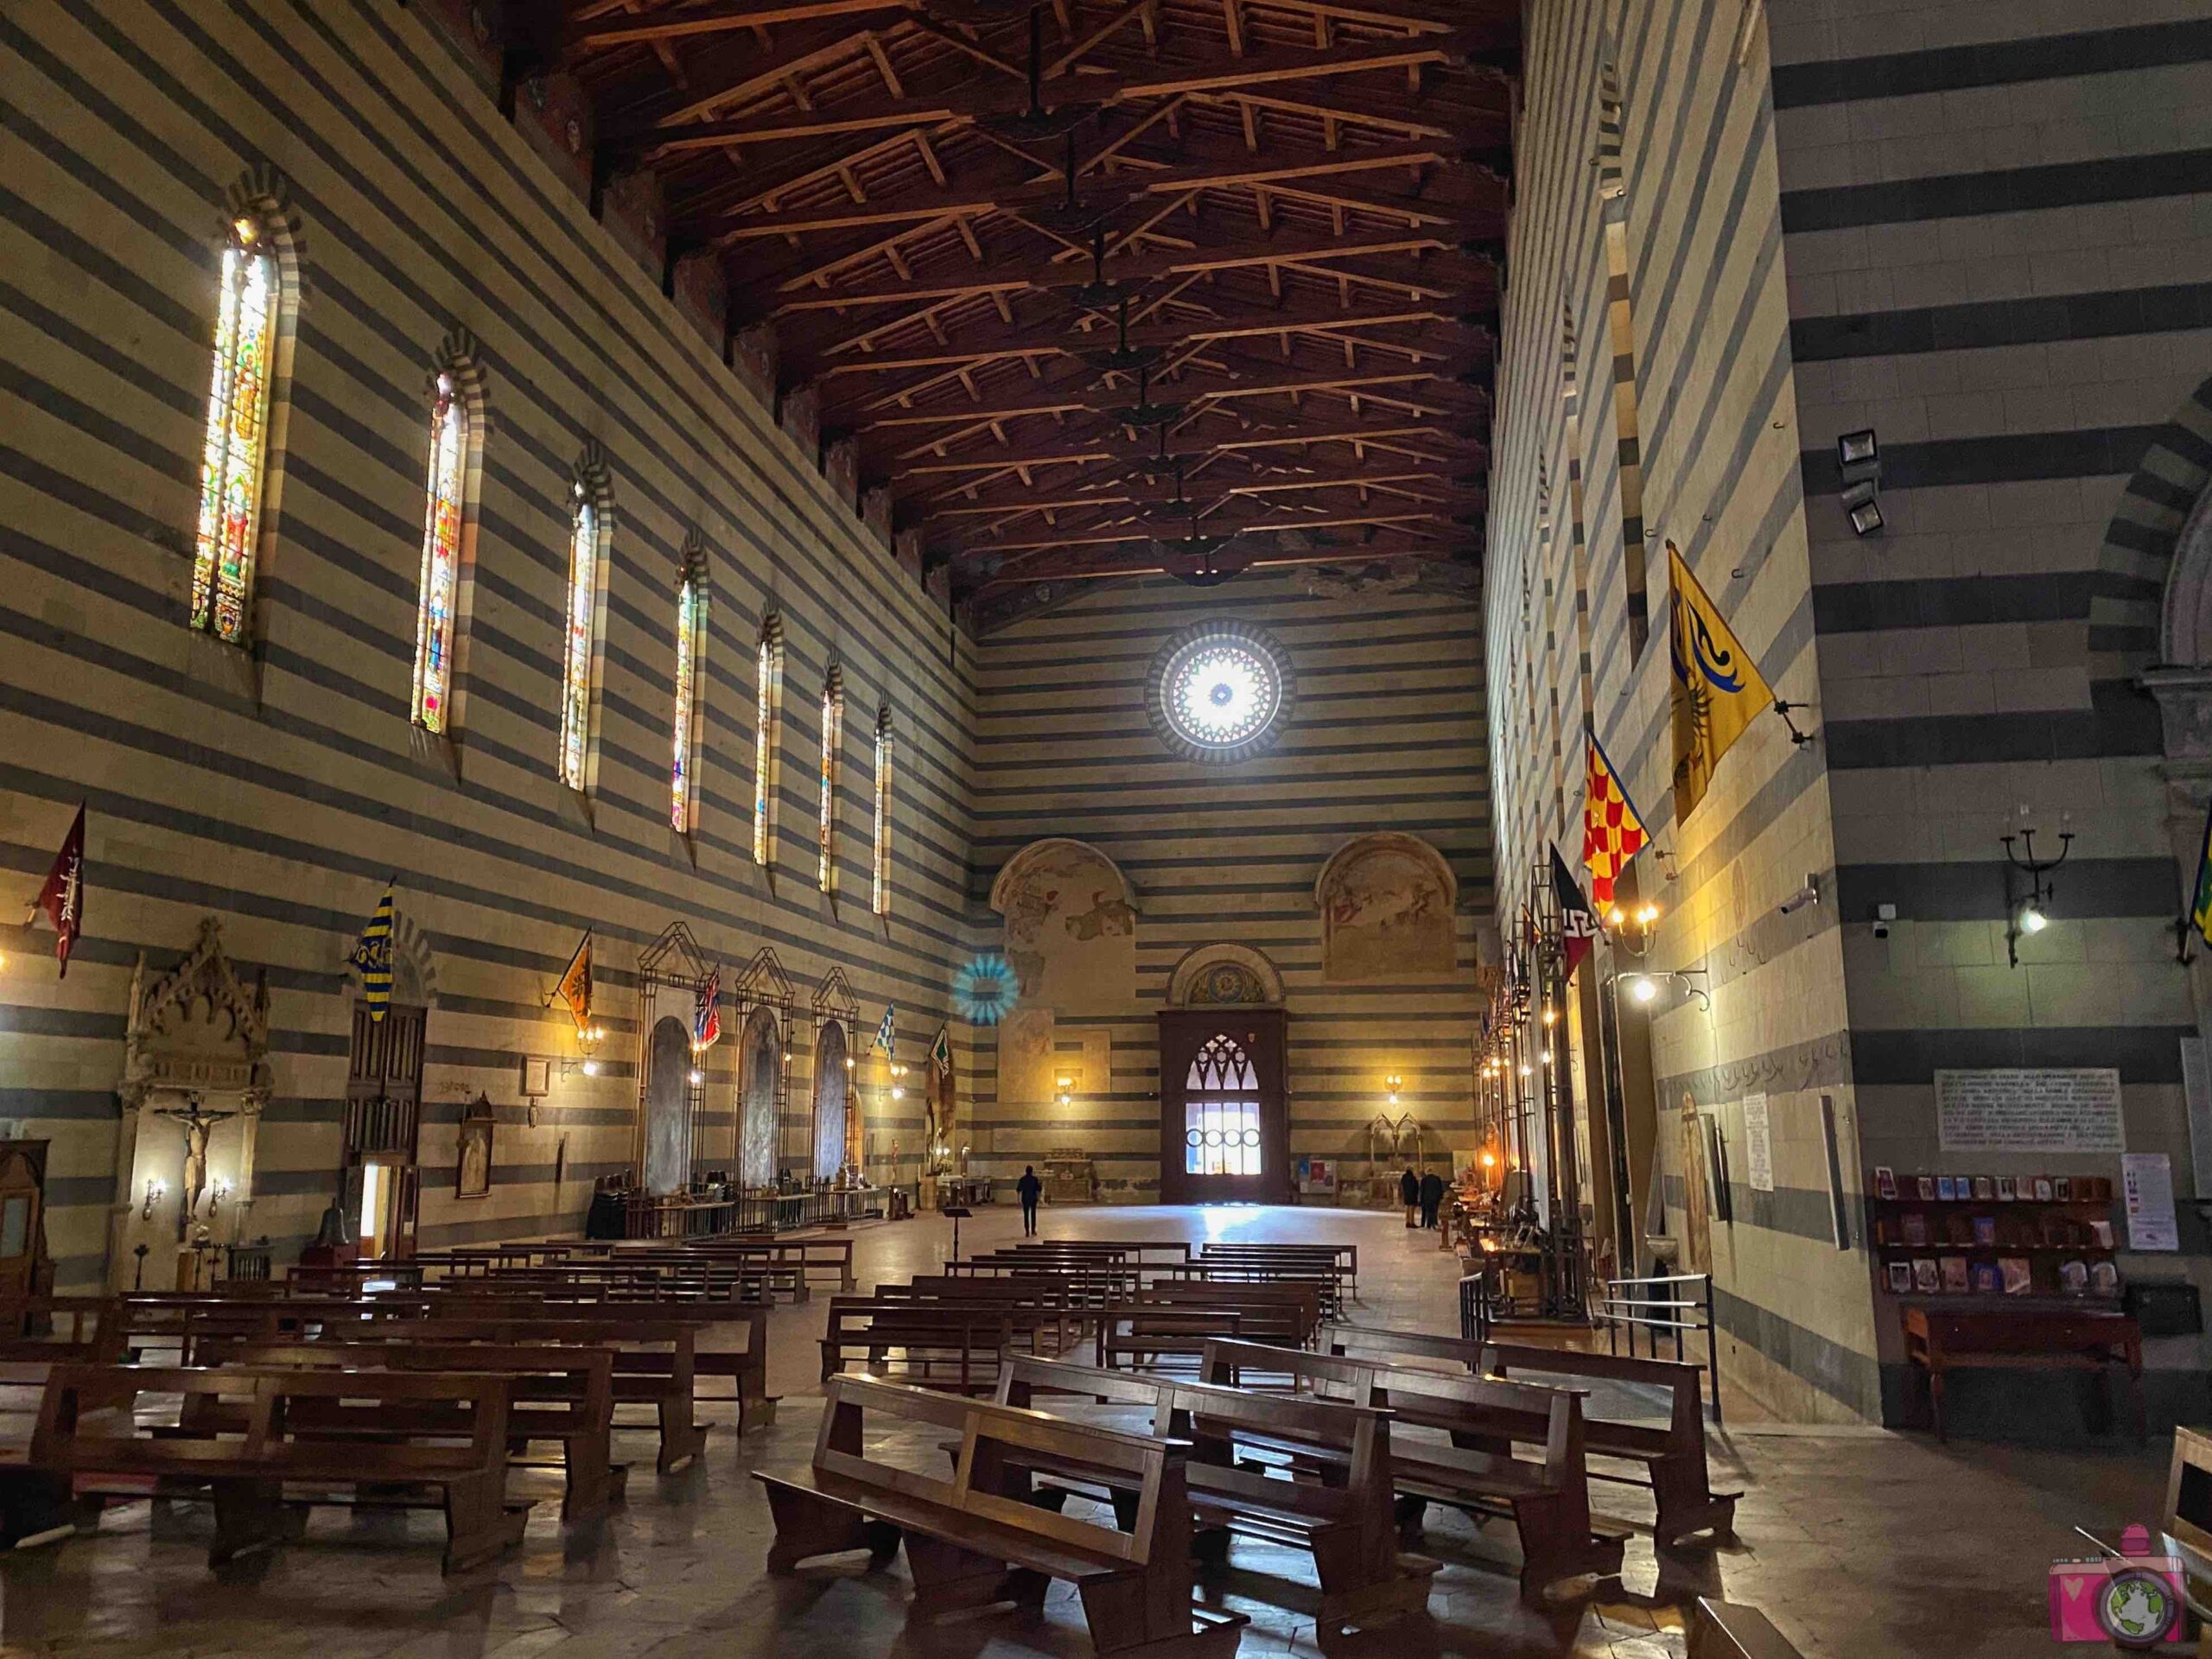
(2025,1110)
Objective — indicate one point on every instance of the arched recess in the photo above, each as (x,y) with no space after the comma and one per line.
(833,1086)
(1071,925)
(1214,975)
(760,1074)
(1387,902)
(2148,602)
(668,1107)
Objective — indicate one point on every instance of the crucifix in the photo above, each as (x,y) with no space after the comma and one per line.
(197,1125)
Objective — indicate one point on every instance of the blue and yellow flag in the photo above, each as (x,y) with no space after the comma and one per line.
(1717,687)
(373,957)
(2199,906)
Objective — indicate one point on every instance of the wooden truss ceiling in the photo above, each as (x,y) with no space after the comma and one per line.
(1256,325)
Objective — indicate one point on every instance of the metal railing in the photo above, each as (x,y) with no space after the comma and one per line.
(1668,1303)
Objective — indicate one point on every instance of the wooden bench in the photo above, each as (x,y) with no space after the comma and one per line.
(37,1506)
(1147,1336)
(1728,1629)
(811,1257)
(1342,1516)
(1371,1341)
(2086,1339)
(1289,1314)
(83,1431)
(1336,1266)
(973,1539)
(1548,1499)
(1673,1457)
(655,1364)
(562,1393)
(950,1345)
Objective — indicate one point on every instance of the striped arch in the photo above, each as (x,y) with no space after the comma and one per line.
(2130,628)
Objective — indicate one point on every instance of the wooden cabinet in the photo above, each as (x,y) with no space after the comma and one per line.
(26,1270)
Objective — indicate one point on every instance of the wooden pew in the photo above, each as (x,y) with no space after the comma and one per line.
(60,1327)
(1286,1314)
(1392,1346)
(1343,1518)
(1149,1336)
(36,1505)
(948,1346)
(247,1473)
(973,1540)
(655,1364)
(1673,1457)
(812,1258)
(1336,1265)
(1548,1499)
(562,1393)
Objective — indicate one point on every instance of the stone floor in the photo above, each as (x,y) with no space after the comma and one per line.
(1855,1541)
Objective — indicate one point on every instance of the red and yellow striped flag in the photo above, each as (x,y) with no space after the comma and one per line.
(1612,834)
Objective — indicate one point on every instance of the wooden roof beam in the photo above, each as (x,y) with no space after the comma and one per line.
(720,20)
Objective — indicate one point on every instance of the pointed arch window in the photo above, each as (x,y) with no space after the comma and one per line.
(689,717)
(880,860)
(833,738)
(1221,1106)
(589,530)
(767,730)
(234,456)
(439,605)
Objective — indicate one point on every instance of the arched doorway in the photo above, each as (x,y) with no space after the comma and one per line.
(1224,1132)
(833,1084)
(761,1068)
(668,1107)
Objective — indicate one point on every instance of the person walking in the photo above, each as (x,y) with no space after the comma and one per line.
(1432,1197)
(1409,1194)
(1031,1190)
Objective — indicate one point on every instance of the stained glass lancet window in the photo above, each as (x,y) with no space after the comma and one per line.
(235,456)
(690,664)
(1221,1112)
(434,618)
(881,863)
(579,651)
(833,735)
(768,707)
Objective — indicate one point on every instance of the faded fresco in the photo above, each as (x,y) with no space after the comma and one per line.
(1026,1057)
(1071,929)
(1387,911)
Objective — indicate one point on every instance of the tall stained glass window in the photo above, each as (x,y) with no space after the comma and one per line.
(434,618)
(235,457)
(1221,1112)
(881,862)
(579,652)
(690,663)
(768,707)
(833,737)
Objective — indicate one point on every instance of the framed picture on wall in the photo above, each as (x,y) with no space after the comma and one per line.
(537,1075)
(472,1170)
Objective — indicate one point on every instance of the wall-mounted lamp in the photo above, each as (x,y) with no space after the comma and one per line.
(589,1039)
(1066,1087)
(1392,1084)
(2029,913)
(155,1190)
(697,1076)
(1644,985)
(1632,930)
(216,1194)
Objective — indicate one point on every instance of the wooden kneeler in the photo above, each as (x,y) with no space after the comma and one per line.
(973,1541)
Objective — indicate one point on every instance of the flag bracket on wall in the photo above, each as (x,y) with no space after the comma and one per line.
(1797,739)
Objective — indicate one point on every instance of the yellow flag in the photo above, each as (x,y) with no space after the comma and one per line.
(1717,687)
(574,988)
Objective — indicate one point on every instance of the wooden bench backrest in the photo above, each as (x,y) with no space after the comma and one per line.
(1551,1418)
(588,1372)
(1134,1461)
(1410,1345)
(73,1432)
(1683,1382)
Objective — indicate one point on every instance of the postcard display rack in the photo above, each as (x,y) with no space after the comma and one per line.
(2048,1236)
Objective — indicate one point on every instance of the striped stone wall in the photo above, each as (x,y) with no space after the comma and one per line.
(1690,201)
(1997,227)
(1386,735)
(277,791)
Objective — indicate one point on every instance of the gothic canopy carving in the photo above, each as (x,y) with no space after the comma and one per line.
(197,1026)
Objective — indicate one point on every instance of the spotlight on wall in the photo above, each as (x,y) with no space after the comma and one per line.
(2032,919)
(1859,455)
(1642,988)
(697,1076)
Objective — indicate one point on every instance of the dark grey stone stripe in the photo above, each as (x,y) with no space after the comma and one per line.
(1822,1061)
(1950,601)
(1841,1373)
(2006,190)
(1796,1212)
(2121,721)
(1977,891)
(1991,63)
(1985,323)
(2144,1054)
(2014,458)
